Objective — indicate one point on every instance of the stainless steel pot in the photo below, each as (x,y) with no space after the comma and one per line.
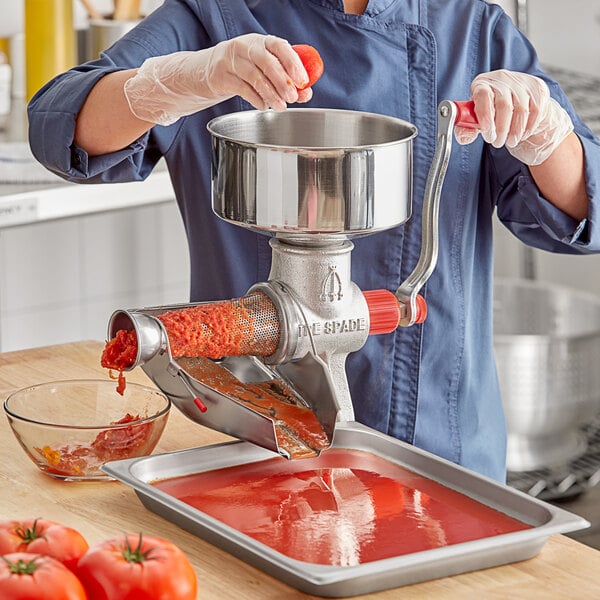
(547,346)
(317,171)
(103,33)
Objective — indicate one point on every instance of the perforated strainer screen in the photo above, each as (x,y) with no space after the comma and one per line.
(238,327)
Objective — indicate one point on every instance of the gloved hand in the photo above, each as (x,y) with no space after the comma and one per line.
(515,110)
(262,69)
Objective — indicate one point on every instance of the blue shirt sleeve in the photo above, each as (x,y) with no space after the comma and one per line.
(53,110)
(52,116)
(520,205)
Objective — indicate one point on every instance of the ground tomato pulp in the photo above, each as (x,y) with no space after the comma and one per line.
(297,429)
(346,507)
(76,460)
(120,354)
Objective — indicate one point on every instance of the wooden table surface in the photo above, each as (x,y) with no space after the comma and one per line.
(563,569)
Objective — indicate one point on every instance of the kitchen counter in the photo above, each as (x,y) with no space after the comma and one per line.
(26,203)
(563,569)
(30,194)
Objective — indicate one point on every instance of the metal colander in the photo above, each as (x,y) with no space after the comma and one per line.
(547,347)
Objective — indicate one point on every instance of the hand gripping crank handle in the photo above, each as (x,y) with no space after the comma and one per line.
(450,114)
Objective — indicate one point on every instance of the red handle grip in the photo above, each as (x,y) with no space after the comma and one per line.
(465,114)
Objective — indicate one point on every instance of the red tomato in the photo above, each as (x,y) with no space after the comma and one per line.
(25,576)
(312,61)
(40,536)
(134,567)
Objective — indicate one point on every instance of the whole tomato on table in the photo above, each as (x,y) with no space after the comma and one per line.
(26,576)
(41,536)
(135,567)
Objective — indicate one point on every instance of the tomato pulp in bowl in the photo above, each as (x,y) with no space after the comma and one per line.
(70,428)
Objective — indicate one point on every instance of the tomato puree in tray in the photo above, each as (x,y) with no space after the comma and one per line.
(369,513)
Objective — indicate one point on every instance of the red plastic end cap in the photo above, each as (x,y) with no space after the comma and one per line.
(384,311)
(421,309)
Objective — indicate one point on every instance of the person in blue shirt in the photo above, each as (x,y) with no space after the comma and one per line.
(535,165)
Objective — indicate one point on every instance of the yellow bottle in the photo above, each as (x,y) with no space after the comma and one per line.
(50,45)
(5,46)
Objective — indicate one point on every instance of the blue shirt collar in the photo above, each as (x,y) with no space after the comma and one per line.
(374,7)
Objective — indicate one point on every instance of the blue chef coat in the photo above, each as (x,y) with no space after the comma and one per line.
(433,385)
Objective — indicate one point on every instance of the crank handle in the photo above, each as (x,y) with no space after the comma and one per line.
(450,114)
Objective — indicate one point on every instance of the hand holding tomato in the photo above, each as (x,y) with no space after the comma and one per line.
(26,576)
(262,69)
(132,566)
(41,536)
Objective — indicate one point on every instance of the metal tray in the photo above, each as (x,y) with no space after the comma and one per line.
(336,581)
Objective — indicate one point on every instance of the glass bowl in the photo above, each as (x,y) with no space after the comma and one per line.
(69,429)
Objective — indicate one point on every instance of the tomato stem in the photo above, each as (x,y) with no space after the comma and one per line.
(135,556)
(22,567)
(28,534)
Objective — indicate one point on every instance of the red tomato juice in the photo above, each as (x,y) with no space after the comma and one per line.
(346,507)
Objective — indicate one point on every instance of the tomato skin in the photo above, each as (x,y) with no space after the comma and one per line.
(41,536)
(164,573)
(51,580)
(312,61)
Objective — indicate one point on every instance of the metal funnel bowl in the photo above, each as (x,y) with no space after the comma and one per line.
(317,171)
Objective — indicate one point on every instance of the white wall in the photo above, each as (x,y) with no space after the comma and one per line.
(567,34)
(61,280)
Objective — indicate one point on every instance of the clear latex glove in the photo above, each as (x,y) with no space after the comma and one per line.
(515,110)
(262,69)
